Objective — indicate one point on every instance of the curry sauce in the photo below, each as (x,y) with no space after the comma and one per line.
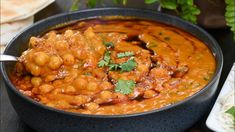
(113,66)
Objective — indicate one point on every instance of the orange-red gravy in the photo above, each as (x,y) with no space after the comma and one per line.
(61,68)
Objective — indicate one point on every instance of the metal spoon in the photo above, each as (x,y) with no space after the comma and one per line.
(8,58)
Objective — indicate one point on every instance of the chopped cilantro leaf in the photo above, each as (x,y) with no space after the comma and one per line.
(128,66)
(106,59)
(109,44)
(231,111)
(102,63)
(107,56)
(125,67)
(125,54)
(125,86)
(113,67)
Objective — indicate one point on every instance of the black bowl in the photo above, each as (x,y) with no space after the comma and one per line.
(176,117)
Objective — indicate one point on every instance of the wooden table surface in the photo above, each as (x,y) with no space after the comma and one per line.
(10,122)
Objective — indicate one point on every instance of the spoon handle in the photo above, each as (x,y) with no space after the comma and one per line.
(8,58)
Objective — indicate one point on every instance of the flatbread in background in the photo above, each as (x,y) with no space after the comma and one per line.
(2,48)
(11,29)
(16,15)
(13,10)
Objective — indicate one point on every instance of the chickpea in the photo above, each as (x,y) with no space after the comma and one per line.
(41,58)
(68,59)
(71,76)
(46,88)
(89,33)
(92,86)
(61,45)
(33,42)
(27,66)
(57,82)
(106,85)
(149,94)
(36,81)
(50,78)
(23,87)
(36,70)
(99,73)
(81,99)
(159,73)
(28,93)
(43,99)
(19,68)
(33,69)
(106,95)
(91,106)
(57,91)
(142,68)
(70,89)
(62,104)
(35,90)
(80,83)
(80,54)
(100,48)
(55,62)
(50,104)
(68,33)
(51,36)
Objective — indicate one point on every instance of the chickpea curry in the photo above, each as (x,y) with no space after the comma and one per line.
(113,66)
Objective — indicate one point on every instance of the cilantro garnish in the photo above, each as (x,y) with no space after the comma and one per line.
(125,54)
(107,56)
(102,63)
(231,111)
(125,86)
(106,59)
(125,67)
(108,44)
(113,67)
(128,66)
